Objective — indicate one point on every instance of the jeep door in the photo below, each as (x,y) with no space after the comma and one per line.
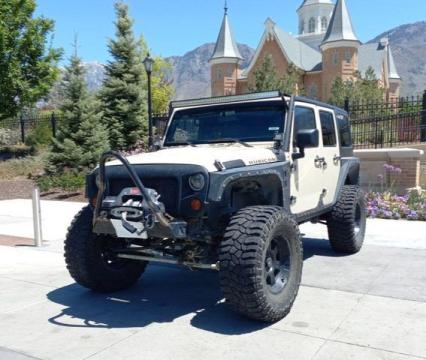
(330,151)
(306,185)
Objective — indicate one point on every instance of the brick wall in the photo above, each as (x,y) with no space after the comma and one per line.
(372,165)
(224,78)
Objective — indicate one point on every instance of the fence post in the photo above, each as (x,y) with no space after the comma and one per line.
(423,127)
(347,104)
(21,121)
(53,123)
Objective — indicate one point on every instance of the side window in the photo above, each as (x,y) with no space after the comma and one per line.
(344,131)
(304,119)
(328,129)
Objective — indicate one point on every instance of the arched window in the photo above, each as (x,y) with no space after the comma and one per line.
(324,24)
(335,57)
(302,27)
(219,74)
(348,56)
(313,91)
(312,25)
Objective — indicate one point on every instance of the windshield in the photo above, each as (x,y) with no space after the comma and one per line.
(250,123)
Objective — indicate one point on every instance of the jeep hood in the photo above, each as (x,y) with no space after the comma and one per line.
(206,156)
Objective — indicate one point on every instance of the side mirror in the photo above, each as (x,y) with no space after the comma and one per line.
(305,138)
(278,141)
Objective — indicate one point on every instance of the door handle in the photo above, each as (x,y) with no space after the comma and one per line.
(337,158)
(319,161)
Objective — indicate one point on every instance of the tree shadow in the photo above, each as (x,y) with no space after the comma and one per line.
(164,294)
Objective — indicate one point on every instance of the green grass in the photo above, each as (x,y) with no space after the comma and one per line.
(22,168)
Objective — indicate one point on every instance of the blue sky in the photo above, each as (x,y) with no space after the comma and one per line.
(173,27)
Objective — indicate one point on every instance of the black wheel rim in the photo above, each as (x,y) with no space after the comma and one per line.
(277,265)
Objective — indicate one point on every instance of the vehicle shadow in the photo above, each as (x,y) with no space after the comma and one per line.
(164,294)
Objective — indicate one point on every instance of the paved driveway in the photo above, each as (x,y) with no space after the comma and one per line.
(368,306)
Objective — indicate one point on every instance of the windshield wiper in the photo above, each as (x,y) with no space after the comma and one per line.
(179,143)
(228,140)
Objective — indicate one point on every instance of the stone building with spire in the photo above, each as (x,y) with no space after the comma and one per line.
(325,48)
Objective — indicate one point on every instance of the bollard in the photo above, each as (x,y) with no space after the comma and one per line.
(38,239)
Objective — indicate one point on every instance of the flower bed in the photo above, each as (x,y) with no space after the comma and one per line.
(391,206)
(388,205)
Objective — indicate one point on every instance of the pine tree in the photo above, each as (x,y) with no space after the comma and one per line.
(82,137)
(267,79)
(123,96)
(362,88)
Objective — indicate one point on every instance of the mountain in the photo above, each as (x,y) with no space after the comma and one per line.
(191,72)
(95,74)
(408,43)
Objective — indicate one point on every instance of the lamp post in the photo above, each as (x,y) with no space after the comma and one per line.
(149,63)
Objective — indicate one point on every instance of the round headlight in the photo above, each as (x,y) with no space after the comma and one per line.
(197,182)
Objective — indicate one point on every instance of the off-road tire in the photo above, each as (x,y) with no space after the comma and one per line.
(242,259)
(346,222)
(85,259)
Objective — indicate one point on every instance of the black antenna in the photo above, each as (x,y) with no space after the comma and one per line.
(226,7)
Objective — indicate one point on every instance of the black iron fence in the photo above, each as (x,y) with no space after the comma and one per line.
(387,124)
(42,126)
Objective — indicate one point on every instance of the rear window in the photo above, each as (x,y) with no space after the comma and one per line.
(328,129)
(344,130)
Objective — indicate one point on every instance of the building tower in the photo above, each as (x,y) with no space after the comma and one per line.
(314,18)
(339,49)
(225,61)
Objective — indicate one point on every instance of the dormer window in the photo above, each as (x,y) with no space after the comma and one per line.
(324,24)
(312,25)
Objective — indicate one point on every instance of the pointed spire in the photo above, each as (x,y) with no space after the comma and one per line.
(226,47)
(340,28)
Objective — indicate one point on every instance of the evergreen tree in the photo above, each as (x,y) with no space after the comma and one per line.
(266,78)
(123,96)
(82,138)
(28,66)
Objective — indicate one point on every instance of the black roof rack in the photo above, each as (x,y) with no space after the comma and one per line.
(226,99)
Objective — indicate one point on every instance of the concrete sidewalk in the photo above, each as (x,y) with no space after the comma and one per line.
(368,306)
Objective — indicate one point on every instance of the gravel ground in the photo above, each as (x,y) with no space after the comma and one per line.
(15,189)
(22,189)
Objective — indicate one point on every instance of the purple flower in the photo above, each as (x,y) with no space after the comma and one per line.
(397,170)
(388,167)
(380,178)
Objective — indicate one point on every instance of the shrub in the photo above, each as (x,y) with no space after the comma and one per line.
(68,181)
